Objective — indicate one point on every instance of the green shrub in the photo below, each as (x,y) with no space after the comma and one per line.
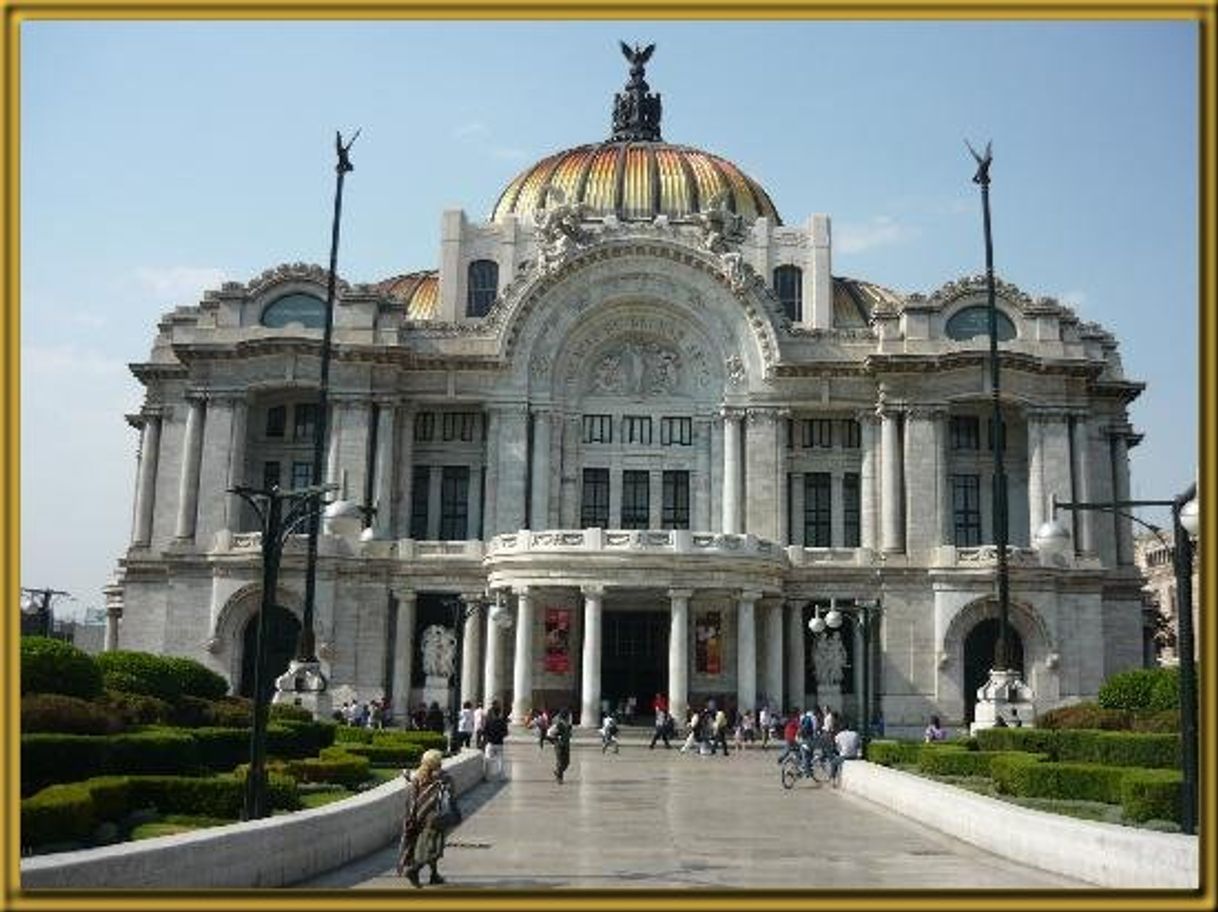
(57,814)
(221,748)
(1086,715)
(351,734)
(137,709)
(1119,748)
(403,754)
(427,740)
(1167,720)
(71,715)
(53,666)
(1142,690)
(893,753)
(1075,781)
(231,712)
(341,768)
(1152,794)
(287,738)
(190,712)
(141,673)
(1033,740)
(214,796)
(290,713)
(161,750)
(54,758)
(281,787)
(1010,770)
(111,796)
(195,679)
(956,762)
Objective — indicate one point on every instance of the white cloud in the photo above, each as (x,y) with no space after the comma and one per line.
(179,284)
(470,129)
(880,231)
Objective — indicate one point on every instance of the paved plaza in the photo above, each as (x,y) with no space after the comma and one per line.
(660,819)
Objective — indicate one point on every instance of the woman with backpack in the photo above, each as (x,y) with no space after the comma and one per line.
(430,802)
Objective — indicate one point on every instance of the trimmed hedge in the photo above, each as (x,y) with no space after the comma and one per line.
(892,753)
(287,738)
(1033,740)
(163,751)
(427,740)
(1142,690)
(50,758)
(195,679)
(1011,770)
(338,767)
(53,666)
(290,712)
(957,762)
(221,748)
(1075,781)
(141,673)
(1167,720)
(1152,794)
(58,814)
(1086,715)
(48,712)
(137,709)
(349,734)
(404,754)
(1107,748)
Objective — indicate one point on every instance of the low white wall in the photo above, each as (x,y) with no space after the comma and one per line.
(273,852)
(1100,853)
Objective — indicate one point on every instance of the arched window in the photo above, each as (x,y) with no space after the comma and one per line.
(295,307)
(789,287)
(975,321)
(483,286)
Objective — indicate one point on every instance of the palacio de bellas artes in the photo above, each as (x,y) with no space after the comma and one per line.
(636,413)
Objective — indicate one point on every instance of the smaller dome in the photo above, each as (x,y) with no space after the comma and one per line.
(419,293)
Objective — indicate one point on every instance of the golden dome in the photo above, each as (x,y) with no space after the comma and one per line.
(636,180)
(419,292)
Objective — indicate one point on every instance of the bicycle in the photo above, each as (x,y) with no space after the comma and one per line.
(792,768)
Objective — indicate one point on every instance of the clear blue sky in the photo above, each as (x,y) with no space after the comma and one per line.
(158,159)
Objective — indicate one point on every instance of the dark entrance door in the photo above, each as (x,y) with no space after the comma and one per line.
(979,657)
(634,658)
(282,632)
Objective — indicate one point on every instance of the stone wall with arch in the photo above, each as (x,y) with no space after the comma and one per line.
(225,640)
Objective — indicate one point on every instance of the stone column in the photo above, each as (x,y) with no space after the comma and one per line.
(403,468)
(570,489)
(475,502)
(471,655)
(746,651)
(771,613)
(1037,512)
(522,677)
(539,508)
(435,486)
(731,470)
(761,479)
(188,487)
(797,485)
(795,657)
(113,593)
(590,699)
(837,509)
(946,518)
(891,482)
(655,498)
(490,507)
(236,464)
(383,525)
(334,430)
(700,509)
(403,652)
(1056,472)
(925,478)
(1120,491)
(868,488)
(1084,519)
(145,493)
(512,467)
(494,659)
(678,655)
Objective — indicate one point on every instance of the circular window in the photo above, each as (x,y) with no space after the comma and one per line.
(297,307)
(975,321)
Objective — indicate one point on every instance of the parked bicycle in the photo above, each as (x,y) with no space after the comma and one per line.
(793,767)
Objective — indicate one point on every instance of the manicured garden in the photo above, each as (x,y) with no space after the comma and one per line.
(131,745)
(1115,760)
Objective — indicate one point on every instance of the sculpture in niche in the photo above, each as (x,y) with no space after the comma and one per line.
(560,229)
(720,226)
(735,370)
(829,656)
(637,369)
(439,647)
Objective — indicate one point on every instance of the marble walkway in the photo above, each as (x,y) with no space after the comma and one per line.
(662,820)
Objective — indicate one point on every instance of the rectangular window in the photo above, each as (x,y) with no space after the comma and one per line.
(636,500)
(851,434)
(817,510)
(420,495)
(276,420)
(675,508)
(304,421)
(424,427)
(818,432)
(966,510)
(964,431)
(598,429)
(676,431)
(851,512)
(458,425)
(594,502)
(270,475)
(454,503)
(636,429)
(302,475)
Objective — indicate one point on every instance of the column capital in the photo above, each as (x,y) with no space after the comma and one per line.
(223,397)
(680,594)
(474,598)
(766,414)
(892,408)
(523,592)
(507,409)
(387,401)
(405,595)
(732,413)
(927,410)
(594,591)
(749,595)
(866,416)
(1047,413)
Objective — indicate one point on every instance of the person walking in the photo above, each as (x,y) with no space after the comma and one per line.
(663,728)
(496,730)
(719,732)
(692,727)
(540,720)
(609,734)
(479,726)
(428,790)
(764,722)
(465,724)
(560,734)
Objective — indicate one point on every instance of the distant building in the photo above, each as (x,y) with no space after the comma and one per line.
(1153,554)
(643,408)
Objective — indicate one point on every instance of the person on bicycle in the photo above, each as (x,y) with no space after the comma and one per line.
(806,739)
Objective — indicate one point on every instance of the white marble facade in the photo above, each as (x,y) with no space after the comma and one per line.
(638,421)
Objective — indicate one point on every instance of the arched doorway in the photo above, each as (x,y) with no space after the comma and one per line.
(979,656)
(282,632)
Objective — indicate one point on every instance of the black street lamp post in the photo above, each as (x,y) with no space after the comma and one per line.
(302,505)
(1054,539)
(865,612)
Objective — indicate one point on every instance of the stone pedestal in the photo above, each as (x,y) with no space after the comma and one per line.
(1003,696)
(436,689)
(303,684)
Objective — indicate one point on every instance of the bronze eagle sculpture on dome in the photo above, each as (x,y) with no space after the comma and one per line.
(636,57)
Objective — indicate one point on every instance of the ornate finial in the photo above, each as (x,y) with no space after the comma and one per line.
(983,164)
(636,112)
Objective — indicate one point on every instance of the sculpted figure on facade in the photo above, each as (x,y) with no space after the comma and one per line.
(829,656)
(560,229)
(439,647)
(637,369)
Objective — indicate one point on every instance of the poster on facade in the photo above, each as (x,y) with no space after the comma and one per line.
(708,644)
(558,640)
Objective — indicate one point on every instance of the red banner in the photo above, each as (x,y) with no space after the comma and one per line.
(558,640)
(708,644)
